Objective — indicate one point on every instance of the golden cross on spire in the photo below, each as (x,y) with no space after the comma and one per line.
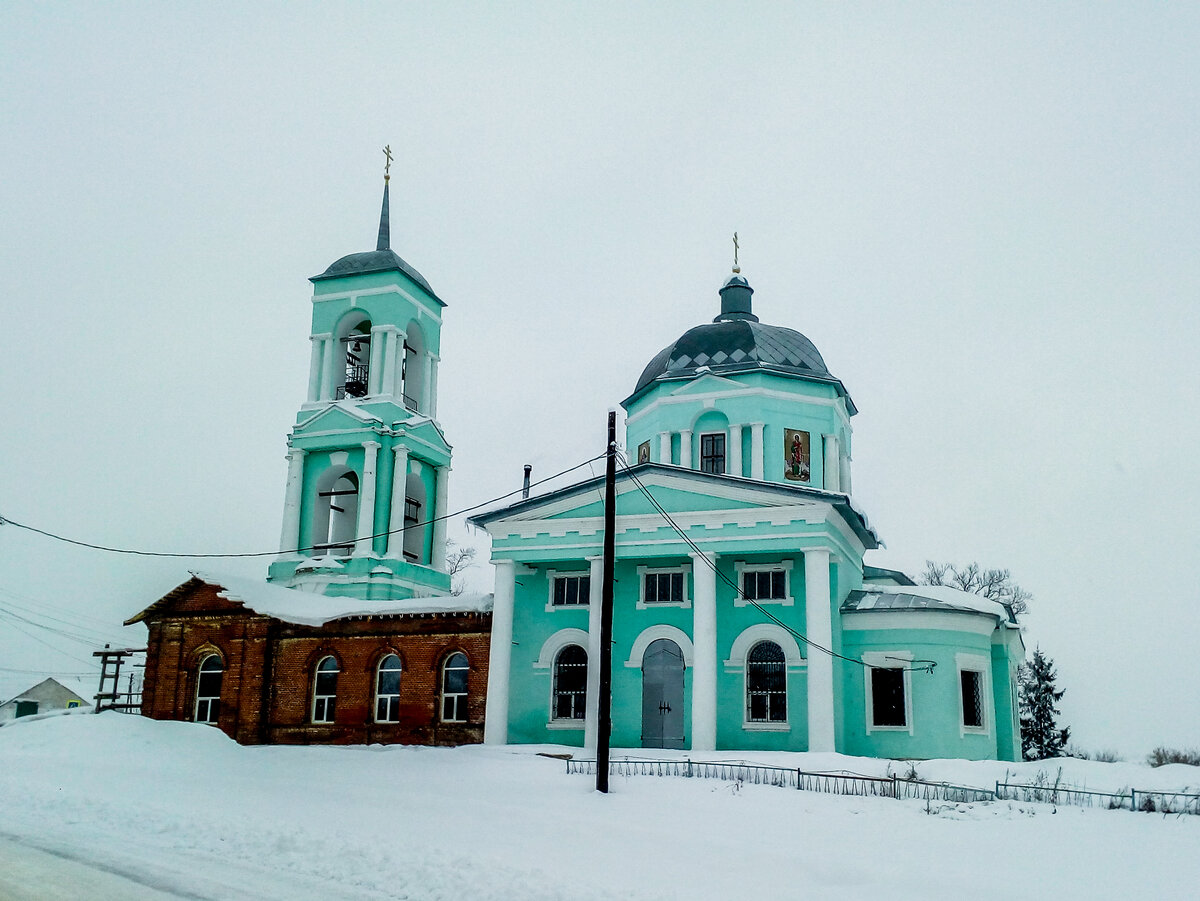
(387,152)
(736,267)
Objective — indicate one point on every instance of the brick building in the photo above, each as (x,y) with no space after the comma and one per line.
(355,635)
(272,665)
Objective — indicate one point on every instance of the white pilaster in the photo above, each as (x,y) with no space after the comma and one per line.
(387,380)
(685,449)
(423,400)
(395,542)
(329,367)
(495,726)
(735,450)
(819,628)
(433,388)
(397,383)
(845,464)
(704,641)
(440,509)
(289,538)
(375,367)
(757,467)
(366,500)
(315,367)
(664,447)
(832,472)
(591,723)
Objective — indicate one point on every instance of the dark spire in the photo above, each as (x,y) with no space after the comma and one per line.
(385,232)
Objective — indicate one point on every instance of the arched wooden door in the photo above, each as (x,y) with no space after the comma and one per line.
(662,695)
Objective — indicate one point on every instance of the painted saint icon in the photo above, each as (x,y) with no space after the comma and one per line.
(644,452)
(795,452)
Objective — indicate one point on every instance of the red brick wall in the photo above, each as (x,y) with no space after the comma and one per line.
(266,692)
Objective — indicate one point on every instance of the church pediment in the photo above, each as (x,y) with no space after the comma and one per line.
(706,384)
(423,431)
(338,417)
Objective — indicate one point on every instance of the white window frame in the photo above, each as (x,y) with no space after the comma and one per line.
(976,663)
(552,574)
(326,719)
(740,567)
(565,723)
(460,697)
(888,660)
(643,571)
(208,721)
(378,671)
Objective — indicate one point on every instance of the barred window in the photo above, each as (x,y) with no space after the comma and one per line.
(454,688)
(208,689)
(387,690)
(712,453)
(570,683)
(887,697)
(764,585)
(572,591)
(664,588)
(766,684)
(325,691)
(972,698)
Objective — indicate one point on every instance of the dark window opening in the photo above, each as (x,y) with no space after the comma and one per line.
(570,683)
(972,698)
(664,588)
(358,356)
(572,591)
(887,696)
(712,454)
(764,585)
(766,684)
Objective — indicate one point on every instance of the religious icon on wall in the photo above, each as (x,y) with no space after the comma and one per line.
(795,453)
(644,452)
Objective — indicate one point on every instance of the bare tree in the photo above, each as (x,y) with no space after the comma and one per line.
(458,560)
(993,584)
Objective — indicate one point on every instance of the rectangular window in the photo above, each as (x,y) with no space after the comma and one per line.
(712,453)
(972,698)
(664,588)
(571,591)
(887,697)
(764,585)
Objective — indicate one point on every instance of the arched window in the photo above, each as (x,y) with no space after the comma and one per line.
(208,689)
(356,353)
(454,688)
(570,683)
(339,512)
(387,690)
(766,684)
(325,691)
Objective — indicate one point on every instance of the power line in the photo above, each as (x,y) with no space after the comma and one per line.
(108,634)
(140,553)
(47,644)
(33,606)
(72,636)
(713,566)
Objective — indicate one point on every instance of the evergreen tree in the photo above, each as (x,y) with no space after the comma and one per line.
(1040,735)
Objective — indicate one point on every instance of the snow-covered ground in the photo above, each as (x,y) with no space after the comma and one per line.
(164,810)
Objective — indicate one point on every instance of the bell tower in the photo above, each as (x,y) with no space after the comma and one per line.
(368,463)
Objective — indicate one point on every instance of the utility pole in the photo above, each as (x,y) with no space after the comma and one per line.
(604,702)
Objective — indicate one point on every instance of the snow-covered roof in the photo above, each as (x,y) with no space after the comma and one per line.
(917,597)
(307,609)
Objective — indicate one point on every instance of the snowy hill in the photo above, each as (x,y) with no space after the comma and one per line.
(182,809)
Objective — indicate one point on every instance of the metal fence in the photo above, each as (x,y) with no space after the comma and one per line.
(1131,799)
(786,777)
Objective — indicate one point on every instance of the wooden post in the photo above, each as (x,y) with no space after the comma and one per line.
(604,705)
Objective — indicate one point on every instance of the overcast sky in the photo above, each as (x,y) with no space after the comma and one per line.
(986,220)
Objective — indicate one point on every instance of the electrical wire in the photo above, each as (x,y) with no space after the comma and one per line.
(48,645)
(5,521)
(767,613)
(71,636)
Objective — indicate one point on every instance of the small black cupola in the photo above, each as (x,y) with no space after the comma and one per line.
(735,300)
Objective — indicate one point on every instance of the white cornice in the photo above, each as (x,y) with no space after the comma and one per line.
(746,391)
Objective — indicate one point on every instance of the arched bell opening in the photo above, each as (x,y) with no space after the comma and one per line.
(353,347)
(416,516)
(336,513)
(413,369)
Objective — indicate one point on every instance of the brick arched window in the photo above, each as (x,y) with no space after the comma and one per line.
(387,690)
(454,688)
(325,691)
(208,689)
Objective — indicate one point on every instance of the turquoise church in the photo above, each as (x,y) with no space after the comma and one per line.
(368,464)
(745,615)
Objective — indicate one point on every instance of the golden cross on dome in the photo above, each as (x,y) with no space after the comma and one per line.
(736,267)
(387,152)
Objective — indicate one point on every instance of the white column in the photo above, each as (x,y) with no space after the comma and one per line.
(440,509)
(289,539)
(329,368)
(375,366)
(387,379)
(395,542)
(832,472)
(735,450)
(704,642)
(314,368)
(664,447)
(845,464)
(495,727)
(685,448)
(591,723)
(756,451)
(397,387)
(423,400)
(819,628)
(366,500)
(433,379)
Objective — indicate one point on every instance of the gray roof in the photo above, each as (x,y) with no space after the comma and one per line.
(878,572)
(897,599)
